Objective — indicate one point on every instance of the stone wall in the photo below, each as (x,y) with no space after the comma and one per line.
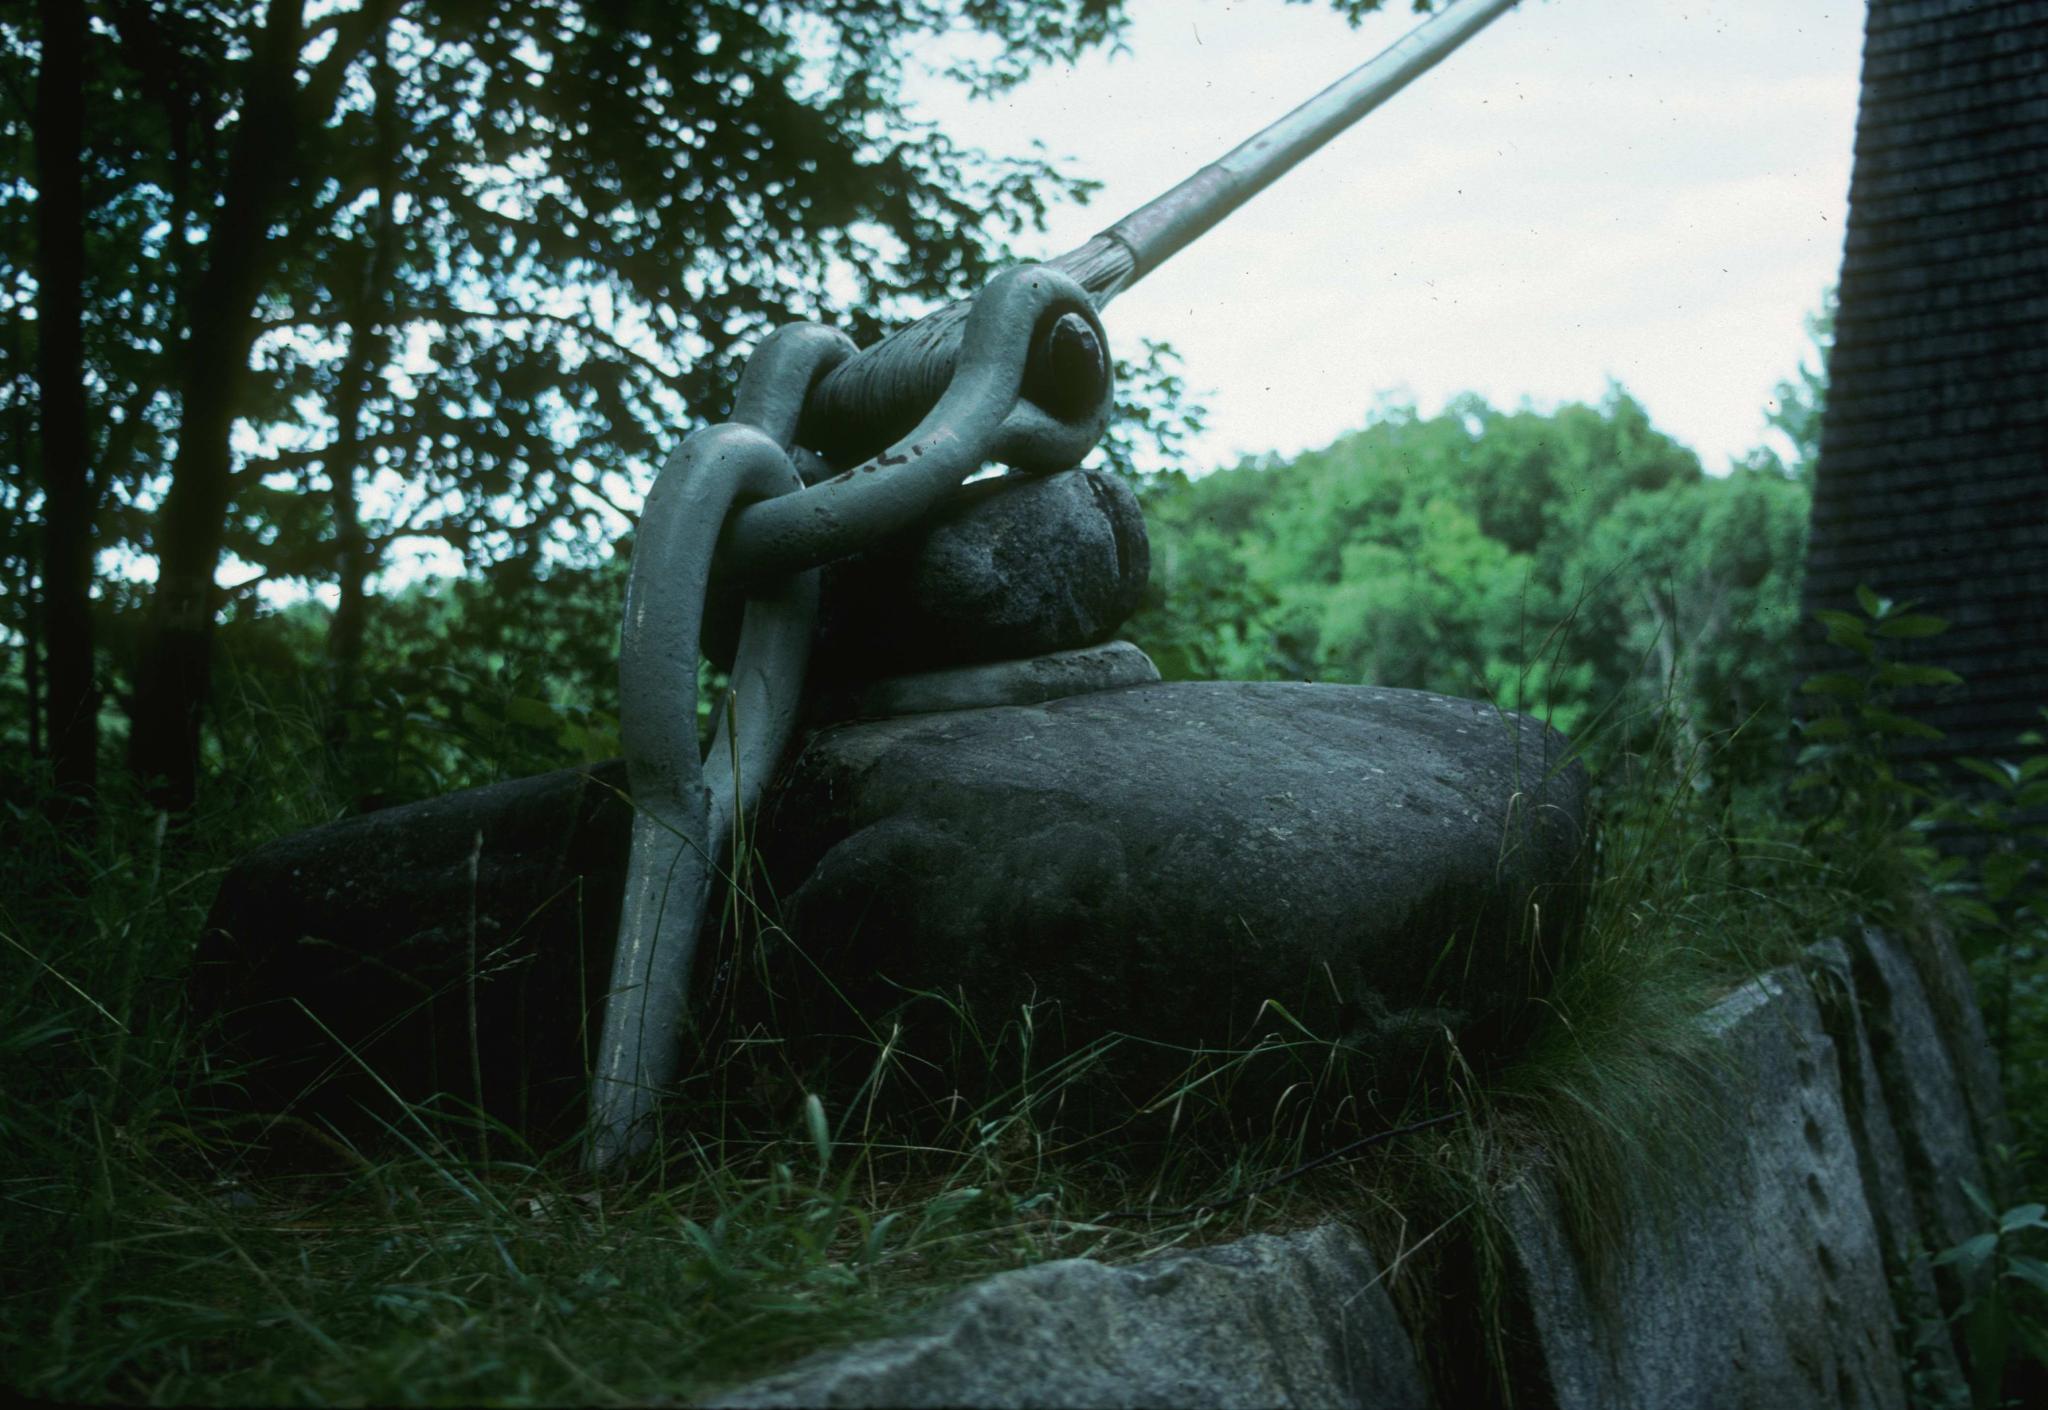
(1863,1096)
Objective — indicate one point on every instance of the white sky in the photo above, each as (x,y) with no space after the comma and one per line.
(1648,190)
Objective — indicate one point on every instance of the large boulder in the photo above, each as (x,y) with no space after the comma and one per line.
(352,962)
(1193,866)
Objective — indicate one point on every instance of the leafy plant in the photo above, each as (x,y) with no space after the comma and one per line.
(1999,906)
(1873,824)
(2001,1318)
(1868,816)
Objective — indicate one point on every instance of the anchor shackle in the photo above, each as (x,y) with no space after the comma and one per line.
(875,397)
(729,505)
(1026,383)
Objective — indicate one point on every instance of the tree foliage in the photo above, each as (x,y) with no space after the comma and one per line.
(1578,564)
(365,278)
(482,258)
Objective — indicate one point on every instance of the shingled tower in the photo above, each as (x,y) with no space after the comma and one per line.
(1933,478)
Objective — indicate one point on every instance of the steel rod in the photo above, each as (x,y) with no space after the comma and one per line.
(872,400)
(1162,227)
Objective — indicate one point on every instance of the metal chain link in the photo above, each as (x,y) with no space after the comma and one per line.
(730,502)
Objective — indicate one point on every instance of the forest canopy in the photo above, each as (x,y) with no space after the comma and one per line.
(1577,564)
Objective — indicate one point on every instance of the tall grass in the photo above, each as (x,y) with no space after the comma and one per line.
(154,1255)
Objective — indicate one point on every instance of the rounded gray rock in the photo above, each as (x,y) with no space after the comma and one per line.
(1016,566)
(1192,865)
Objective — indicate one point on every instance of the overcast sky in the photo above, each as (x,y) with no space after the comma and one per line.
(1651,191)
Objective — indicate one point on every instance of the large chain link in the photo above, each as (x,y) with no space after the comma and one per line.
(730,502)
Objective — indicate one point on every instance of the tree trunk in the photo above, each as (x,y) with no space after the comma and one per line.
(72,699)
(27,590)
(369,346)
(32,669)
(177,652)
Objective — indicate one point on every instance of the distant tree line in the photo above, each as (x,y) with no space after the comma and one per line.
(1578,564)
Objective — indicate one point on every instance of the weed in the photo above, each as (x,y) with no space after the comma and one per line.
(154,1257)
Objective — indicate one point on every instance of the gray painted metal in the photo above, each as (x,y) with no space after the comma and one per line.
(682,825)
(1162,227)
(872,398)
(983,414)
(1020,375)
(687,810)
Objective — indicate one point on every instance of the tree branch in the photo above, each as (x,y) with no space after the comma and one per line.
(330,319)
(352,31)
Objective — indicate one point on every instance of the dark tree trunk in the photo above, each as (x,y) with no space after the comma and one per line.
(369,346)
(32,669)
(177,652)
(72,699)
(27,589)
(351,548)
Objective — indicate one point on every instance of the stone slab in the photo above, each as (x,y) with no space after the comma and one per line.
(1287,1320)
(337,960)
(1770,1290)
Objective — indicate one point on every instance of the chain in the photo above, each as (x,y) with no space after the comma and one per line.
(730,503)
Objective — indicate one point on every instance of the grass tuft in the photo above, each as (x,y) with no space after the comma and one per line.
(156,1256)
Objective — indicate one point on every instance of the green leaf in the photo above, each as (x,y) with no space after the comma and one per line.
(1912,626)
(2000,772)
(1872,605)
(1828,727)
(711,1249)
(1888,722)
(1907,673)
(1986,1333)
(2023,1216)
(821,1137)
(2034,767)
(535,714)
(1974,911)
(1853,638)
(2002,872)
(1833,683)
(2034,1338)
(2029,1270)
(871,1247)
(1978,1198)
(1971,1253)
(1847,621)
(951,1202)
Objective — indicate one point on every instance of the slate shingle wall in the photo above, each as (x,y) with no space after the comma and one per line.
(1933,480)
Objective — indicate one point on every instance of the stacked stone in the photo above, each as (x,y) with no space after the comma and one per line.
(997,808)
(1011,594)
